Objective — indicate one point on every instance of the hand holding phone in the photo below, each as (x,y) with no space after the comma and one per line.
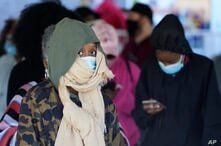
(153,106)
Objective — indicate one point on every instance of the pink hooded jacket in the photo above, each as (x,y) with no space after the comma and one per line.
(126,76)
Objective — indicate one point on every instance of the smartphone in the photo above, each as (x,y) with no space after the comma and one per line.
(153,101)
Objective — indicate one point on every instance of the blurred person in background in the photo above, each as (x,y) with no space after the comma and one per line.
(6,38)
(8,58)
(122,89)
(9,120)
(110,13)
(28,35)
(114,16)
(139,25)
(217,63)
(87,14)
(30,71)
(77,70)
(177,97)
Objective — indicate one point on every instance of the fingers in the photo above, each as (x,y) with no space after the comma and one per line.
(153,108)
(157,110)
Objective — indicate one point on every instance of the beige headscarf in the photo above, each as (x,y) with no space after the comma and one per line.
(83,126)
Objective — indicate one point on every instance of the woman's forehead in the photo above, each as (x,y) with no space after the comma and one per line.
(89,46)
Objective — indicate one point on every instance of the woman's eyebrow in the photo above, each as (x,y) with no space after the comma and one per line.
(94,47)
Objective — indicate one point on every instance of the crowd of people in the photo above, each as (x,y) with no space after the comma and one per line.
(104,77)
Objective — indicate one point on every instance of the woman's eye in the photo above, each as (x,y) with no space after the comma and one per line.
(93,53)
(80,53)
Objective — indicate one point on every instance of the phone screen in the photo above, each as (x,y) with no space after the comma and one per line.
(151,101)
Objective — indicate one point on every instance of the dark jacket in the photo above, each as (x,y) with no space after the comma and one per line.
(193,104)
(24,72)
(138,52)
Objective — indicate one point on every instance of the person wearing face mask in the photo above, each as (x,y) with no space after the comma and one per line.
(8,58)
(177,97)
(139,25)
(27,37)
(69,106)
(121,88)
(7,45)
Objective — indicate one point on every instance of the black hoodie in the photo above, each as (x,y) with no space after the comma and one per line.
(169,35)
(193,103)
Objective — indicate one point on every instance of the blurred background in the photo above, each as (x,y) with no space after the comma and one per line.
(200,17)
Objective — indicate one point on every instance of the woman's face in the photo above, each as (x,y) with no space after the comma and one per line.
(88,54)
(88,50)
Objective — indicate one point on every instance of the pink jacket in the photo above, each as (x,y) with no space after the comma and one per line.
(125,98)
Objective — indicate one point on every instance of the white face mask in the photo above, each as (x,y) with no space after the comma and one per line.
(90,61)
(172,68)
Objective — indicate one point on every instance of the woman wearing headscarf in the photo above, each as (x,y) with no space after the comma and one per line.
(27,38)
(77,70)
(177,97)
(122,88)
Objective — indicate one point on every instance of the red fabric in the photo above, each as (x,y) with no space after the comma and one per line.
(15,106)
(112,14)
(125,98)
(138,53)
(7,136)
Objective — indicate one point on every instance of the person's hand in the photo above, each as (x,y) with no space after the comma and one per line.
(153,107)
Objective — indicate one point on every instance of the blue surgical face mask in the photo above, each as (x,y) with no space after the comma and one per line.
(172,68)
(10,48)
(90,61)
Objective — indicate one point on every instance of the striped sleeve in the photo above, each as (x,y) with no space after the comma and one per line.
(9,121)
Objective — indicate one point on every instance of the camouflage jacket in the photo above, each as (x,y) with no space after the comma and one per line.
(41,114)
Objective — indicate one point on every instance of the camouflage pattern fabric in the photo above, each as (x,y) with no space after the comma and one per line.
(41,114)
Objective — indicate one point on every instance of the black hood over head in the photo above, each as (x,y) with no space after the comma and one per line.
(169,35)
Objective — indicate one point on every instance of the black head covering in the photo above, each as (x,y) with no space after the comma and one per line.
(86,12)
(169,35)
(31,25)
(143,10)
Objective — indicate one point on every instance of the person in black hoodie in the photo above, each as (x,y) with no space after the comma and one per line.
(28,37)
(139,26)
(177,97)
